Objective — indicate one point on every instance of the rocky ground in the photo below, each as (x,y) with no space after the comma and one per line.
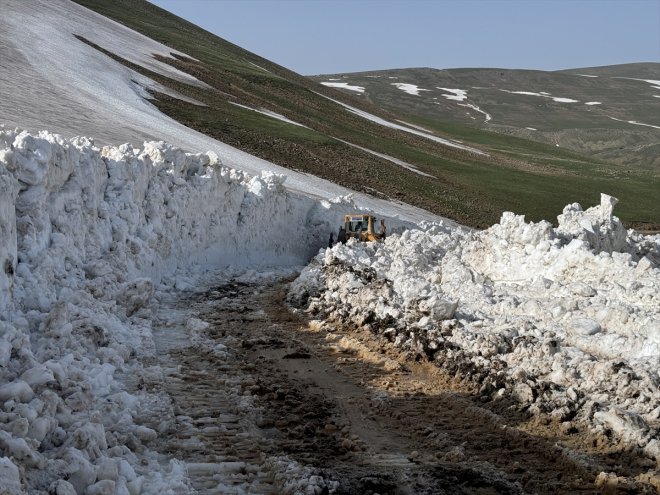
(263,400)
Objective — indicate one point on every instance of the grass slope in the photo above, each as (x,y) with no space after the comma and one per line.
(590,129)
(519,175)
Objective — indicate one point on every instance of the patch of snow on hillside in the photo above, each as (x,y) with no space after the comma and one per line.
(529,93)
(411,89)
(109,35)
(564,320)
(392,159)
(418,127)
(593,103)
(476,108)
(634,122)
(344,85)
(259,67)
(531,128)
(456,94)
(585,75)
(542,94)
(655,84)
(270,113)
(392,125)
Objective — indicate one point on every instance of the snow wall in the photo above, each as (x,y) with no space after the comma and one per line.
(86,235)
(74,214)
(564,321)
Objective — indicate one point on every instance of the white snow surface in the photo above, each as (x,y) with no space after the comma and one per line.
(593,103)
(461,95)
(270,113)
(476,108)
(87,236)
(564,319)
(455,94)
(392,159)
(259,67)
(634,122)
(542,94)
(343,85)
(411,89)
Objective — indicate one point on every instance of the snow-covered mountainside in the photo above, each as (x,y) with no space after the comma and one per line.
(565,320)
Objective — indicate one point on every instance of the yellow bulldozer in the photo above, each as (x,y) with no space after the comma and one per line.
(361,226)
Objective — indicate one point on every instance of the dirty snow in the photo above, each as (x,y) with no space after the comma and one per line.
(270,113)
(343,85)
(411,89)
(392,125)
(565,320)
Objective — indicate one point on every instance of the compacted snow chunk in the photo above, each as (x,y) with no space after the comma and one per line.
(565,320)
(87,235)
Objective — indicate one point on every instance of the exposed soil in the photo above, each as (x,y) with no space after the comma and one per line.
(356,411)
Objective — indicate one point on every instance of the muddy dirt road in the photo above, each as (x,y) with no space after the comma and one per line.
(264,401)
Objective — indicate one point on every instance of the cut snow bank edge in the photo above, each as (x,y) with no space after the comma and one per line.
(565,321)
(86,237)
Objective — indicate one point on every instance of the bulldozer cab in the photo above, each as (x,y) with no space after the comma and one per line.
(363,227)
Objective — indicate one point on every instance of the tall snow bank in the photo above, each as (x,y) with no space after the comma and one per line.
(565,320)
(85,237)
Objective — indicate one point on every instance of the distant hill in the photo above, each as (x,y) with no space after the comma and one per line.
(646,70)
(612,112)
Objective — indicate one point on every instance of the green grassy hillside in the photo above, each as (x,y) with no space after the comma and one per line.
(586,110)
(516,174)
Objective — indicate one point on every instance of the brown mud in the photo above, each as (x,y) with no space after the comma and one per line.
(360,413)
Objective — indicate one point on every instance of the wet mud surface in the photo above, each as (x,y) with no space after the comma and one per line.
(265,383)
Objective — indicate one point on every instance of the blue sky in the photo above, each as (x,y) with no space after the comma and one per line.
(323,36)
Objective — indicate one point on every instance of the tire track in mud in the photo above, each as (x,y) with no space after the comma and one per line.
(350,408)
